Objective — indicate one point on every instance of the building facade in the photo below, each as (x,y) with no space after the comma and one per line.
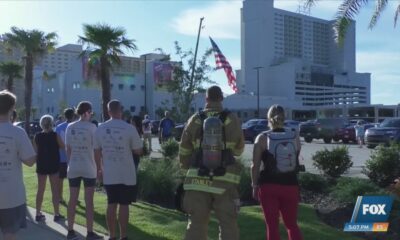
(298,58)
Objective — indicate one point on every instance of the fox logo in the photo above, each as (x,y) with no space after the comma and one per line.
(374,209)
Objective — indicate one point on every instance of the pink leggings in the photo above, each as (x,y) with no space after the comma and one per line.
(275,198)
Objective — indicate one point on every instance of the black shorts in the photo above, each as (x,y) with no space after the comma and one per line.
(62,170)
(121,194)
(12,219)
(87,182)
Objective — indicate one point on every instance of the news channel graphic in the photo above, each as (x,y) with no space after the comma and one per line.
(370,214)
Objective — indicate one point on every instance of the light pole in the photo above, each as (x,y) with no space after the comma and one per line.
(258,90)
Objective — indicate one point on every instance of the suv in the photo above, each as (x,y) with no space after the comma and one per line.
(322,128)
(386,132)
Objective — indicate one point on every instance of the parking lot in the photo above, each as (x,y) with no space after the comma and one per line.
(358,155)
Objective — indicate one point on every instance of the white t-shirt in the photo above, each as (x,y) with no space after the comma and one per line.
(15,147)
(146,126)
(79,137)
(117,139)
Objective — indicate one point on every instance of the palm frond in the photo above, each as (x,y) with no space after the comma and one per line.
(308,4)
(380,6)
(345,14)
(350,8)
(340,29)
(396,15)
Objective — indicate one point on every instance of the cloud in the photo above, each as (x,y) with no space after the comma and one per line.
(221,20)
(321,9)
(385,72)
(378,62)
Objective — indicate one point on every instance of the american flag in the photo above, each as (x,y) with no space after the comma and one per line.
(221,62)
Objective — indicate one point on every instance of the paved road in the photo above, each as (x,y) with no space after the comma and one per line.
(358,155)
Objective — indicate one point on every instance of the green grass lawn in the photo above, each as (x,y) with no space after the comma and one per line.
(148,221)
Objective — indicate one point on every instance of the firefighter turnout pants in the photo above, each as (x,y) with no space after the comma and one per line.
(199,204)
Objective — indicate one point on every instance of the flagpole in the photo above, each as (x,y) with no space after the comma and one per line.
(195,56)
(258,90)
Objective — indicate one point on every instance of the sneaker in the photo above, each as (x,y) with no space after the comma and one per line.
(58,217)
(93,236)
(40,218)
(72,235)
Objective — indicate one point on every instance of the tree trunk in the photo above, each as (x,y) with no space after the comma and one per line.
(105,86)
(28,91)
(10,83)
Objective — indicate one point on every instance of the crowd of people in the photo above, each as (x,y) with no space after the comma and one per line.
(81,151)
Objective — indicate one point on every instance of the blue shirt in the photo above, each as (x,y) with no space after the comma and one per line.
(167,125)
(60,130)
(359,130)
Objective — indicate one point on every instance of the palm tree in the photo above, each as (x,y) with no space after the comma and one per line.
(104,46)
(347,11)
(11,70)
(35,44)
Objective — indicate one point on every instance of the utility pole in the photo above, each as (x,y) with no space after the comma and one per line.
(145,84)
(195,55)
(258,90)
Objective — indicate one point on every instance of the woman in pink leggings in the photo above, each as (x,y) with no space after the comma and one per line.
(274,175)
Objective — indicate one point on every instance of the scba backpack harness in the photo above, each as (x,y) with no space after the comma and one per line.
(213,156)
(282,145)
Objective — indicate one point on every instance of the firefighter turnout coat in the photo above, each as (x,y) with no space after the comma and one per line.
(190,142)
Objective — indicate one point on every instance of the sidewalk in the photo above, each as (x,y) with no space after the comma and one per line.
(48,230)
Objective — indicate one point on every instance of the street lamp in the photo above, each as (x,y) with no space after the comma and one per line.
(258,90)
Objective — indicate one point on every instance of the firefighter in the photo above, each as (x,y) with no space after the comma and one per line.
(208,150)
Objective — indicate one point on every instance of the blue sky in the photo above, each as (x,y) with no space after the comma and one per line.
(155,24)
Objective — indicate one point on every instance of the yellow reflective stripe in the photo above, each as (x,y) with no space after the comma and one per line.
(196,143)
(202,188)
(227,121)
(228,177)
(192,172)
(197,121)
(232,146)
(185,151)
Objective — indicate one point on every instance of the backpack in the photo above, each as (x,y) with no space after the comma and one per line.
(282,146)
(219,158)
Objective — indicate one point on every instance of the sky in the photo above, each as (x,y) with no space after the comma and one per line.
(157,24)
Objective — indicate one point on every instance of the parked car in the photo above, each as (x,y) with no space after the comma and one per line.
(349,134)
(322,128)
(292,124)
(254,121)
(387,131)
(33,129)
(250,132)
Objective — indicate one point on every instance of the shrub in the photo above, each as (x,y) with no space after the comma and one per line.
(170,149)
(384,165)
(157,180)
(313,182)
(348,189)
(333,163)
(245,189)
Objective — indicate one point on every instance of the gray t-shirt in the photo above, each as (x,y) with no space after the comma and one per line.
(79,137)
(117,139)
(15,147)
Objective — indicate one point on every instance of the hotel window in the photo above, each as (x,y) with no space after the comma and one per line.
(120,86)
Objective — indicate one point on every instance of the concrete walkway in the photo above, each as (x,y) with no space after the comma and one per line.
(48,230)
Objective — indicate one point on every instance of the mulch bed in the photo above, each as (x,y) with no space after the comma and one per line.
(336,214)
